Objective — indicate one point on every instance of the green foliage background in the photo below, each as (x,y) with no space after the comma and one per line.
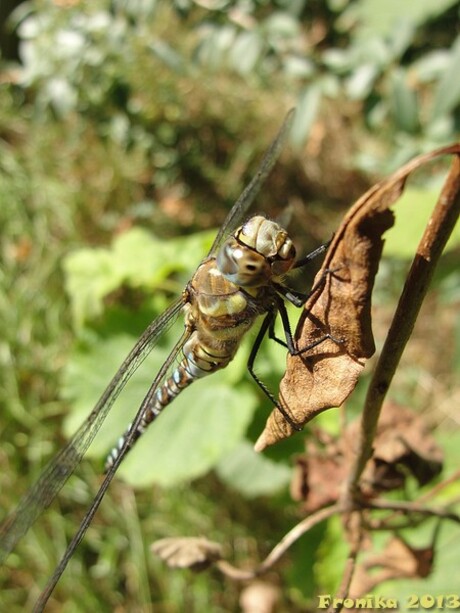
(126,128)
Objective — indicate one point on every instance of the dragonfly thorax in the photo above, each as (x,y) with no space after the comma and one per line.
(259,251)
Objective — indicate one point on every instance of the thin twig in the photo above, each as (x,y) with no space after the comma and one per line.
(386,522)
(433,242)
(356,525)
(280,548)
(434,239)
(405,506)
(440,486)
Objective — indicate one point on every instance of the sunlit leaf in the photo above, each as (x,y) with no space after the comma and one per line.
(431,65)
(251,473)
(412,213)
(281,24)
(404,102)
(136,258)
(245,52)
(307,110)
(331,556)
(361,81)
(215,44)
(379,18)
(447,94)
(203,424)
(168,55)
(90,276)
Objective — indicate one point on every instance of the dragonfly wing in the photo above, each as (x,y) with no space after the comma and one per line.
(243,203)
(64,463)
(146,403)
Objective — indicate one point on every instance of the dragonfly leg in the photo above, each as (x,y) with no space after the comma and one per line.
(296,298)
(289,344)
(268,326)
(314,254)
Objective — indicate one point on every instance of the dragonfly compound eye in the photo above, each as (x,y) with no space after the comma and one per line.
(242,265)
(227,292)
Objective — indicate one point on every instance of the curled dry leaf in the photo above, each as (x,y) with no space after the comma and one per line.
(196,553)
(403,447)
(337,315)
(319,475)
(398,560)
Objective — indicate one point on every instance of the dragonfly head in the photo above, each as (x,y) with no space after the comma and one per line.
(258,252)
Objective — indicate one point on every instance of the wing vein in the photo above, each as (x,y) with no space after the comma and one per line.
(54,476)
(44,596)
(252,189)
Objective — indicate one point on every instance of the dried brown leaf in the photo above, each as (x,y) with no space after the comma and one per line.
(187,552)
(318,477)
(338,312)
(398,560)
(403,446)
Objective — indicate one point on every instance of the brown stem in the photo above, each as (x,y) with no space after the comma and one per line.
(434,239)
(412,507)
(440,486)
(429,250)
(355,526)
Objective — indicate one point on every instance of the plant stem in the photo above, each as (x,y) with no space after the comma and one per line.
(434,239)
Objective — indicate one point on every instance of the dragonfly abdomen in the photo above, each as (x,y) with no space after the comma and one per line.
(198,361)
(163,396)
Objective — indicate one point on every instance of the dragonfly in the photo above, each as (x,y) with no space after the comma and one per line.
(239,280)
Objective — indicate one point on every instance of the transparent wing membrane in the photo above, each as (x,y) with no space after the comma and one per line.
(40,496)
(241,206)
(54,476)
(148,399)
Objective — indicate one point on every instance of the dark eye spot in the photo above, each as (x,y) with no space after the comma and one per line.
(251,267)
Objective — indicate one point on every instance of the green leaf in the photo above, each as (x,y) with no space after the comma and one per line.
(204,423)
(338,60)
(439,582)
(89,276)
(281,25)
(401,37)
(331,556)
(431,65)
(88,372)
(380,18)
(412,214)
(145,260)
(215,44)
(299,67)
(245,52)
(447,94)
(307,110)
(251,473)
(360,83)
(137,258)
(404,102)
(168,55)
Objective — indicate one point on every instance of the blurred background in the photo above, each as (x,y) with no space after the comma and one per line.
(127,131)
